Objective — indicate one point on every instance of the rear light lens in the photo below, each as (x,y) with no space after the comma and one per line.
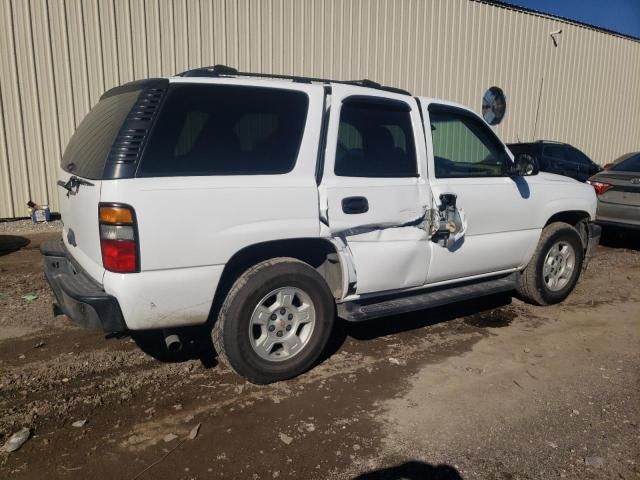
(599,187)
(116,215)
(118,239)
(119,255)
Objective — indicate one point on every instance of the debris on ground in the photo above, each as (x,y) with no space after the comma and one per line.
(170,437)
(286,439)
(194,431)
(16,440)
(29,298)
(79,423)
(596,462)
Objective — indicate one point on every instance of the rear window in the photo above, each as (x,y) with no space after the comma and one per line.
(631,164)
(226,130)
(89,147)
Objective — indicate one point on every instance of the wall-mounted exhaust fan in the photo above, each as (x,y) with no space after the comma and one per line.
(494,105)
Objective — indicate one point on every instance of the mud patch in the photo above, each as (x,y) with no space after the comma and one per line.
(499,318)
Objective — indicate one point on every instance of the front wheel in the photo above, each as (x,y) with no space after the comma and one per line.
(554,269)
(275,321)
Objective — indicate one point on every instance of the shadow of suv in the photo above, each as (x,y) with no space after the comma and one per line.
(558,158)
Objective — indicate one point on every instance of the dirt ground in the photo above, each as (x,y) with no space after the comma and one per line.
(488,389)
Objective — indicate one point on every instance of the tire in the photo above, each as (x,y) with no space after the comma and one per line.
(301,293)
(535,282)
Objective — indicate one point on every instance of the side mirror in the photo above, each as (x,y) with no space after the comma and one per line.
(524,165)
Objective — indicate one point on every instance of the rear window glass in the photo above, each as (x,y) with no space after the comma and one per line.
(516,149)
(631,164)
(226,130)
(89,146)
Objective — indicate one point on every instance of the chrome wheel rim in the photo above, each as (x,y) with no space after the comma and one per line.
(558,266)
(282,324)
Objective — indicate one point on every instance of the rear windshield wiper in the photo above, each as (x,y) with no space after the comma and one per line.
(73,184)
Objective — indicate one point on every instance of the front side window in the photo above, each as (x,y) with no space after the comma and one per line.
(375,139)
(463,146)
(226,130)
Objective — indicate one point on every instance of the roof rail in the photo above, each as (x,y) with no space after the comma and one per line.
(225,71)
(551,141)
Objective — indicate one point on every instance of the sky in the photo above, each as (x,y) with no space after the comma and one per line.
(621,16)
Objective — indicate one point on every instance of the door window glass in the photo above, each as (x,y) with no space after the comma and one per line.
(558,152)
(464,146)
(578,157)
(375,139)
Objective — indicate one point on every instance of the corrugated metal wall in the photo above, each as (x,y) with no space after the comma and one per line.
(58,56)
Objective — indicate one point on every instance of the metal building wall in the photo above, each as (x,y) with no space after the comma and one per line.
(58,56)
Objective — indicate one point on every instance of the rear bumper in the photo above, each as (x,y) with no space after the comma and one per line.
(81,298)
(595,231)
(608,223)
(618,215)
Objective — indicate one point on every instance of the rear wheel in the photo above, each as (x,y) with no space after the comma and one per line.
(554,269)
(275,321)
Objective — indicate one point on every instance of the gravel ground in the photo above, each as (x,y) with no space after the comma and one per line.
(491,389)
(27,226)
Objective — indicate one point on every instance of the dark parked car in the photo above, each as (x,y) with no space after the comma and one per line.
(559,158)
(618,191)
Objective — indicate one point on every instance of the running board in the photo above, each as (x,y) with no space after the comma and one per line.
(359,310)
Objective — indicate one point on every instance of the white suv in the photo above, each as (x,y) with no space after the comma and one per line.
(262,206)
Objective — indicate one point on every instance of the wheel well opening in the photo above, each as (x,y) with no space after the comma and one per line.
(576,218)
(317,252)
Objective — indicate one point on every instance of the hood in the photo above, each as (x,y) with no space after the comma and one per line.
(545,177)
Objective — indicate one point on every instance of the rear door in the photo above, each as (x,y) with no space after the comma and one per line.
(373,193)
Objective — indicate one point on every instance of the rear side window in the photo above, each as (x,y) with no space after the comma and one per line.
(375,139)
(89,147)
(226,130)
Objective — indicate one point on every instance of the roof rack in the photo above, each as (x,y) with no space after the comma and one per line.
(225,71)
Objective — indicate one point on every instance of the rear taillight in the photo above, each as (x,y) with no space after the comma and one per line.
(599,187)
(118,238)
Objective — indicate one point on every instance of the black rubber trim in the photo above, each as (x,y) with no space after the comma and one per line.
(130,143)
(595,231)
(80,297)
(322,144)
(607,223)
(369,100)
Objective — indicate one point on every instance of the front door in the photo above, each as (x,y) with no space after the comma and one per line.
(373,195)
(470,161)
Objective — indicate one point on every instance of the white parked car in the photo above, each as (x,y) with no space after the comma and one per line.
(262,206)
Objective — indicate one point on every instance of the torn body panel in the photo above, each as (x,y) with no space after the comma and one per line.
(382,255)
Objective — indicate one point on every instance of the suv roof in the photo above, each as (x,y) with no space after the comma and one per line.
(218,71)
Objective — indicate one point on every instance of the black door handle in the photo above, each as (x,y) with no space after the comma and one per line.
(353,205)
